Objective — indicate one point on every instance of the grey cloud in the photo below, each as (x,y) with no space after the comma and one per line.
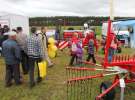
(71,7)
(14,1)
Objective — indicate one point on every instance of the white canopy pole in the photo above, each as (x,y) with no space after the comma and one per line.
(111,10)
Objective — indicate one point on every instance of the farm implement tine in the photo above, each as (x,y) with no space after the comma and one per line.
(90,63)
(90,89)
(86,77)
(89,69)
(67,83)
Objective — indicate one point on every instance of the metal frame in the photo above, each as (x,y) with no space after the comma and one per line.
(125,64)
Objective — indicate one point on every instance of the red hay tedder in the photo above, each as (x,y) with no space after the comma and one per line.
(121,66)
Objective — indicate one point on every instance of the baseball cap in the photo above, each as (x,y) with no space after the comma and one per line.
(12,33)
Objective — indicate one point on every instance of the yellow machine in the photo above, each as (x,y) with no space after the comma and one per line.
(52,49)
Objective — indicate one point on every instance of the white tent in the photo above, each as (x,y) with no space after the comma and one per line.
(14,20)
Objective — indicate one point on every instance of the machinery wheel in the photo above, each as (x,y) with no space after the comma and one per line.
(111,94)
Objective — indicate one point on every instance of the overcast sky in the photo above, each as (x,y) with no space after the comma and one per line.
(34,8)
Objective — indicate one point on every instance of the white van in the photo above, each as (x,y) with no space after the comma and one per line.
(115,29)
(122,33)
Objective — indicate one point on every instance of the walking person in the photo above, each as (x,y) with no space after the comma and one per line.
(92,44)
(11,53)
(91,51)
(44,43)
(35,54)
(79,53)
(73,50)
(21,40)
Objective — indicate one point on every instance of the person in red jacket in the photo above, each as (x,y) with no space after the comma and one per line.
(88,37)
(73,50)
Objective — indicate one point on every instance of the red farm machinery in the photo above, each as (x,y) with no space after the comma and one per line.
(79,79)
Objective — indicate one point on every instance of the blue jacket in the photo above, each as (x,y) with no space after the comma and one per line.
(11,52)
(91,47)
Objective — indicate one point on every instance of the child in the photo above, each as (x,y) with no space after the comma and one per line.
(73,48)
(91,51)
(79,53)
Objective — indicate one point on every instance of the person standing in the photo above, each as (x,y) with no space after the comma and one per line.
(11,53)
(79,53)
(113,47)
(44,43)
(92,44)
(35,54)
(73,50)
(91,51)
(6,30)
(57,34)
(21,40)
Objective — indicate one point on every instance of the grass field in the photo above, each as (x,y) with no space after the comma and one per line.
(54,87)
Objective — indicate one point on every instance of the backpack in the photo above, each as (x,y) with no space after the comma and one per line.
(74,47)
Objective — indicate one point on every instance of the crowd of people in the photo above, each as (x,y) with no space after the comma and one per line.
(3,34)
(27,50)
(90,41)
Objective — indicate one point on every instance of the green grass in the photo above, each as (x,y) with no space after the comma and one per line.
(54,87)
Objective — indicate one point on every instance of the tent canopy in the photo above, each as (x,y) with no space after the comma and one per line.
(126,23)
(15,20)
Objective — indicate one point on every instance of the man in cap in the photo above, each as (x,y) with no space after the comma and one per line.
(11,53)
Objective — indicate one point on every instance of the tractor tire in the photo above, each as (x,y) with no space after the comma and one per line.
(111,94)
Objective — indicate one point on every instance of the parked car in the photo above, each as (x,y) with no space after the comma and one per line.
(124,39)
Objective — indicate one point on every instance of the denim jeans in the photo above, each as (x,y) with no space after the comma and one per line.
(110,54)
(32,62)
(12,71)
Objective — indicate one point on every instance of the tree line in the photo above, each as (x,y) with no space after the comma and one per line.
(69,20)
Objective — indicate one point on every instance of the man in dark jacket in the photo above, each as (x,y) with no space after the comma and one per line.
(21,40)
(11,53)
